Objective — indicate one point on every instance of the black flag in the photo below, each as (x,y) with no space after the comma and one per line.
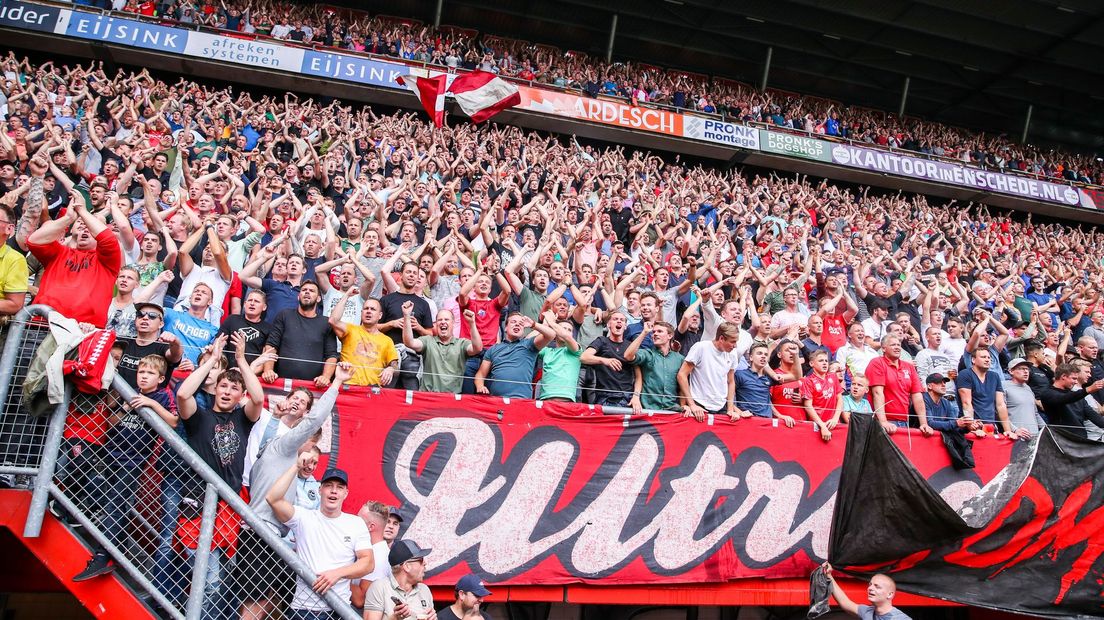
(1031,542)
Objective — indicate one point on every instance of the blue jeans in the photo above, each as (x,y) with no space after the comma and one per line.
(168,575)
(120,491)
(213,606)
(471,366)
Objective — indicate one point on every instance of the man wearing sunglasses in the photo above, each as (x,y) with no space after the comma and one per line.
(149,318)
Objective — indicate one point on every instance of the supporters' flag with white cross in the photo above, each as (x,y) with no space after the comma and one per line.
(481,95)
(431,90)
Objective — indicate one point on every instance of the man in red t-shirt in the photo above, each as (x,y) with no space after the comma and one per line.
(836,310)
(894,383)
(78,279)
(475,295)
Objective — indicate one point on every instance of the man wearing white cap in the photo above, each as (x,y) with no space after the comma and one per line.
(470,593)
(1020,400)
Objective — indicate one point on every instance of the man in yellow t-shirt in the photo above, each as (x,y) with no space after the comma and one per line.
(371,353)
(13,268)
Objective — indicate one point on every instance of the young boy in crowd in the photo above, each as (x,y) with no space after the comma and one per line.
(129,446)
(855,400)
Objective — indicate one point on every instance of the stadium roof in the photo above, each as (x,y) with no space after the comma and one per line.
(971,63)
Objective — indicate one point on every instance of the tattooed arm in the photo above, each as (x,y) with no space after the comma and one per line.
(33,205)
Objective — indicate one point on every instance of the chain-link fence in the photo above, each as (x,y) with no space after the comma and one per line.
(148,507)
(22,432)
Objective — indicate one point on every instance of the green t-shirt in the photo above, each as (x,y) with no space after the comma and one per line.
(560,373)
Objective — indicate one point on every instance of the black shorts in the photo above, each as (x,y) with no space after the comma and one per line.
(259,574)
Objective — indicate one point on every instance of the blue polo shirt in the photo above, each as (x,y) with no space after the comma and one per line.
(753,393)
(280,296)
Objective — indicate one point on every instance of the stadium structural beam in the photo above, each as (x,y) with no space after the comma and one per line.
(766,69)
(612,38)
(904,98)
(437,13)
(1027,123)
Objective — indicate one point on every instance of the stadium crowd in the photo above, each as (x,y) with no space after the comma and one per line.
(236,239)
(410,40)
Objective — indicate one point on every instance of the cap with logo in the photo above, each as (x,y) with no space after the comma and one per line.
(405,550)
(473,584)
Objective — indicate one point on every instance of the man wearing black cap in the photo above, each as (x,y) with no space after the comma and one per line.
(942,411)
(333,543)
(402,594)
(470,593)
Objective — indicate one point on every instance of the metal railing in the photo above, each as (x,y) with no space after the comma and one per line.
(131,486)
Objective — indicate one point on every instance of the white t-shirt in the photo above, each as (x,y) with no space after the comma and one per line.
(954,348)
(209,276)
(709,379)
(382,569)
(787,318)
(354,307)
(324,544)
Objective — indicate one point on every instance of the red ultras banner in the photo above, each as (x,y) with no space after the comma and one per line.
(554,493)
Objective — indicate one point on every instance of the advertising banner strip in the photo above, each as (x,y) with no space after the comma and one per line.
(942,172)
(721,132)
(602,111)
(254,53)
(28,16)
(562,494)
(353,69)
(794,145)
(127,32)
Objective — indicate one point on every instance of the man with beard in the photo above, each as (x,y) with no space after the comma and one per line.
(613,373)
(509,365)
(303,340)
(410,364)
(470,593)
(78,279)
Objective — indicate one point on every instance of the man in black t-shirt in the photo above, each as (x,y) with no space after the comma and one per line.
(392,321)
(613,374)
(304,341)
(219,433)
(251,326)
(149,318)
